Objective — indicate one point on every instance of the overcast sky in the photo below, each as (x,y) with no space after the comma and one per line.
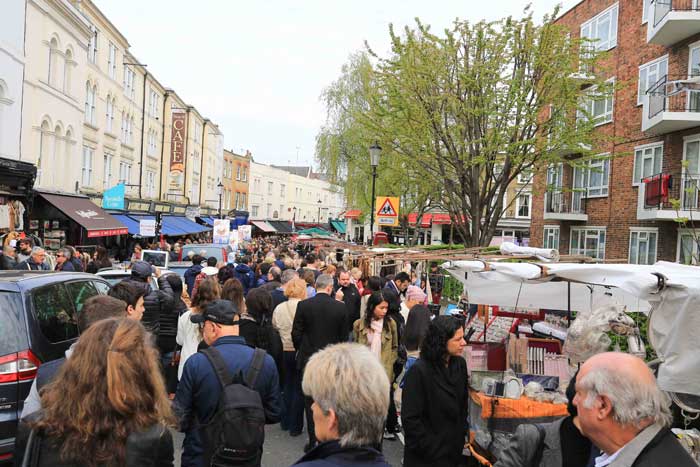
(257,68)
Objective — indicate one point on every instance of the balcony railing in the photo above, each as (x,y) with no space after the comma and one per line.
(672,192)
(661,8)
(674,94)
(560,202)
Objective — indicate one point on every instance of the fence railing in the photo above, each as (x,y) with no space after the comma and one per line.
(661,8)
(672,191)
(674,94)
(561,202)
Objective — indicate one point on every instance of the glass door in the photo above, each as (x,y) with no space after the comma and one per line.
(555,175)
(579,190)
(691,171)
(694,72)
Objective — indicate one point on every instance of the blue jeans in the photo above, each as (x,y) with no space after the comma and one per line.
(292,417)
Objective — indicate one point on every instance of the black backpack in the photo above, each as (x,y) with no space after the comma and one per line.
(235,434)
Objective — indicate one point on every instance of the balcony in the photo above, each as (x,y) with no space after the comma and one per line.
(671,21)
(669,197)
(672,104)
(565,206)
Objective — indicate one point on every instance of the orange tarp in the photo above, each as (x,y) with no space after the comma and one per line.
(521,408)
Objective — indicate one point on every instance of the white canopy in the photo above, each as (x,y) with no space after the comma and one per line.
(669,292)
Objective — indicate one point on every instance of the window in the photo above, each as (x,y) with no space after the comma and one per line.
(598,106)
(197,132)
(55,313)
(525,176)
(129,86)
(643,246)
(81,291)
(112,61)
(648,161)
(109,118)
(152,141)
(649,74)
(283,189)
(522,205)
(92,46)
(238,196)
(107,170)
(269,210)
(150,184)
(602,29)
(53,57)
(90,92)
(67,64)
(245,174)
(687,248)
(153,103)
(551,237)
(243,200)
(86,169)
(238,172)
(195,185)
(124,173)
(269,188)
(254,211)
(131,131)
(598,174)
(588,242)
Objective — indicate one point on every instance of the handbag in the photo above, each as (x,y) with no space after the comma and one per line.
(171,371)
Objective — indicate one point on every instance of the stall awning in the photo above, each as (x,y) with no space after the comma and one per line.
(264,226)
(339,226)
(207,220)
(281,226)
(130,223)
(441,218)
(353,214)
(182,224)
(424,221)
(95,220)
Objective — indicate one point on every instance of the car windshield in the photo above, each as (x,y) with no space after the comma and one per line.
(12,339)
(205,251)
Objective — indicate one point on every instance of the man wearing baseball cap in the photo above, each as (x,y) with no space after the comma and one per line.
(199,389)
(155,302)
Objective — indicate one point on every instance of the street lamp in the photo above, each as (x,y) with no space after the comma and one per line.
(319,211)
(374,152)
(220,191)
(294,219)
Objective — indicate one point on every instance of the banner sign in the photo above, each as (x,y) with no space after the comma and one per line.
(245,233)
(147,227)
(114,197)
(177,149)
(222,229)
(387,211)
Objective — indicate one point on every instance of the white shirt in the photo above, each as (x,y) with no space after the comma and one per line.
(604,460)
(189,337)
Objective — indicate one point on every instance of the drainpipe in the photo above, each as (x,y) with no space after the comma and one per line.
(162,150)
(201,162)
(143,125)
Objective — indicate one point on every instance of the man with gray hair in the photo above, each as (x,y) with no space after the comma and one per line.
(319,321)
(36,261)
(350,393)
(278,294)
(623,412)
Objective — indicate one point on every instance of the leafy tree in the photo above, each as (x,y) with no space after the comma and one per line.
(460,115)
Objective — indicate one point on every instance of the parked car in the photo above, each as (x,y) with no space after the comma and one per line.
(38,312)
(114,276)
(207,250)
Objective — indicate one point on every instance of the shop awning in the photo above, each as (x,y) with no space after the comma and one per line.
(182,224)
(353,214)
(95,220)
(424,221)
(264,226)
(339,226)
(441,218)
(207,220)
(130,223)
(281,226)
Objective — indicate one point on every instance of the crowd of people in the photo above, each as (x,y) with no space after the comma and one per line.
(284,335)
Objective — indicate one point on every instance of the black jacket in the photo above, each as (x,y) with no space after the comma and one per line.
(331,454)
(319,321)
(7,263)
(352,300)
(150,448)
(156,303)
(248,329)
(168,324)
(434,413)
(664,449)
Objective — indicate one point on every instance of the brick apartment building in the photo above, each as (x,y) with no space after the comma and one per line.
(623,209)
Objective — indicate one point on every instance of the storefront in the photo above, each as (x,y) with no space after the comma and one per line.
(16,197)
(60,219)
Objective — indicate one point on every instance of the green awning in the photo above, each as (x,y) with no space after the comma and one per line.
(314,231)
(339,226)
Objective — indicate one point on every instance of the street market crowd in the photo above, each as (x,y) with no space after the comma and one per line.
(283,333)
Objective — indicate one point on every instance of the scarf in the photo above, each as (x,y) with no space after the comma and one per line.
(374,337)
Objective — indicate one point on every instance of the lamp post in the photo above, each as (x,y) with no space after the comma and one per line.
(220,190)
(374,152)
(294,219)
(319,211)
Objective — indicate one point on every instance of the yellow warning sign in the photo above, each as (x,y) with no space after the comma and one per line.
(387,211)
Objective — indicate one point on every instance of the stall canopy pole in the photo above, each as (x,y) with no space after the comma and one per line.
(568,304)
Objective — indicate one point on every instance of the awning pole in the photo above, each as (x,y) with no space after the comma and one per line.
(568,304)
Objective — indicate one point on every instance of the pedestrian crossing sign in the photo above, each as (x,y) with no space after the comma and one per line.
(387,211)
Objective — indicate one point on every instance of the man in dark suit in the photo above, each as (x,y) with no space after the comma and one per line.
(348,294)
(623,412)
(319,321)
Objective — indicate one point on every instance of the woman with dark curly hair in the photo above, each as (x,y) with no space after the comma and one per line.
(256,325)
(107,405)
(435,398)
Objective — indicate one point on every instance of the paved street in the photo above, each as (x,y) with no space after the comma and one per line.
(281,450)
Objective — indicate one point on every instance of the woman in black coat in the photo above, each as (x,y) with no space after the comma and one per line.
(435,398)
(256,326)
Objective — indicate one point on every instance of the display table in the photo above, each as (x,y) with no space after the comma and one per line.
(498,407)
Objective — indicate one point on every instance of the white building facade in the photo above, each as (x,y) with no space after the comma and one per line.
(11,76)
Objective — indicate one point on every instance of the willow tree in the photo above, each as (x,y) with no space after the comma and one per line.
(460,115)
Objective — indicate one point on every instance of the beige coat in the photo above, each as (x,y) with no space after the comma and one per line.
(283,319)
(390,343)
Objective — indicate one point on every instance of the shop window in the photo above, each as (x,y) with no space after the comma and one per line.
(53,309)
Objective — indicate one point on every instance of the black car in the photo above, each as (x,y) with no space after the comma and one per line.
(38,312)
